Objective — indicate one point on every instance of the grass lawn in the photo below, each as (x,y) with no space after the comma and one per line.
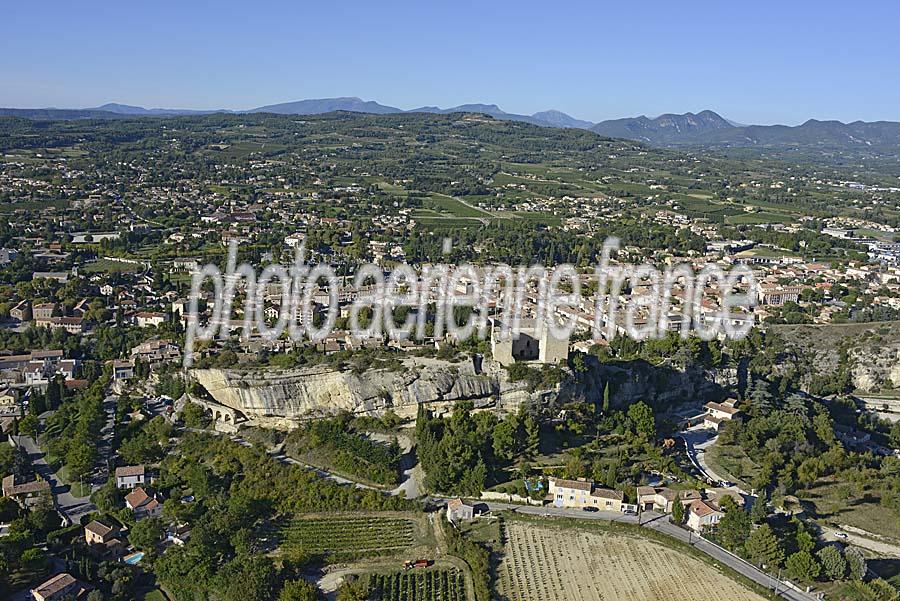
(77,488)
(155,595)
(838,503)
(19,579)
(32,205)
(764,251)
(730,461)
(107,266)
(430,221)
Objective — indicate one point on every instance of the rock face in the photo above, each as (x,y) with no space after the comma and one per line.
(280,397)
(871,351)
(662,386)
(318,391)
(876,368)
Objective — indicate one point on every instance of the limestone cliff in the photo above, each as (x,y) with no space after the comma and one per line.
(871,351)
(316,391)
(271,395)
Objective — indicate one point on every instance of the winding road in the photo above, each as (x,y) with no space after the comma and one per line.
(71,506)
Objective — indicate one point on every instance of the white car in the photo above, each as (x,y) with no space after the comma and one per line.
(841,535)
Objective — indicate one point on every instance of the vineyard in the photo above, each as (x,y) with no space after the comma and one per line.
(548,564)
(348,536)
(428,585)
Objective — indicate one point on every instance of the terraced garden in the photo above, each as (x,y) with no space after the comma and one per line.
(348,536)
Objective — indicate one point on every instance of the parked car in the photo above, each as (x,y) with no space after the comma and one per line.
(841,535)
(591,509)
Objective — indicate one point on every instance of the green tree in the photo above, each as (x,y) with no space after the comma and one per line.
(759,511)
(734,527)
(532,435)
(606,398)
(678,511)
(856,564)
(762,547)
(504,440)
(642,422)
(803,566)
(146,534)
(833,563)
(352,590)
(298,590)
(33,560)
(194,416)
(29,426)
(806,543)
(246,577)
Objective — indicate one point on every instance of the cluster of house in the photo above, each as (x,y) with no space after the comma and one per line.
(143,501)
(108,541)
(153,353)
(34,369)
(702,509)
(48,315)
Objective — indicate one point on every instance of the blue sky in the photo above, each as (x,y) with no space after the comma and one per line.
(753,62)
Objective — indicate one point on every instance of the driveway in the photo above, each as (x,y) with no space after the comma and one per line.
(697,440)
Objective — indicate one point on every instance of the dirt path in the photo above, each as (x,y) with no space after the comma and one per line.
(862,538)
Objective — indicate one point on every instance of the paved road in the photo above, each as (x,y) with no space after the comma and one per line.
(660,522)
(648,519)
(68,504)
(105,444)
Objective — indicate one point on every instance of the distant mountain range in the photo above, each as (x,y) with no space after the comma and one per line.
(703,129)
(315,106)
(665,129)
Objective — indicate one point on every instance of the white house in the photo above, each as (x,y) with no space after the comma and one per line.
(702,515)
(129,477)
(583,493)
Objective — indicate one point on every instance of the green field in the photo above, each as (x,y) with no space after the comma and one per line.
(32,205)
(107,266)
(754,218)
(348,536)
(453,207)
(417,585)
(732,462)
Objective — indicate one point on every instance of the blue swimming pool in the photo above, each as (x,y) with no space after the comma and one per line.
(134,558)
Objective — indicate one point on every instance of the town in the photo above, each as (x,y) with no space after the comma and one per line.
(288,467)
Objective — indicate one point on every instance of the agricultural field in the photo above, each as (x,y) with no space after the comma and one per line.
(454,208)
(755,218)
(543,563)
(417,585)
(109,266)
(347,536)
